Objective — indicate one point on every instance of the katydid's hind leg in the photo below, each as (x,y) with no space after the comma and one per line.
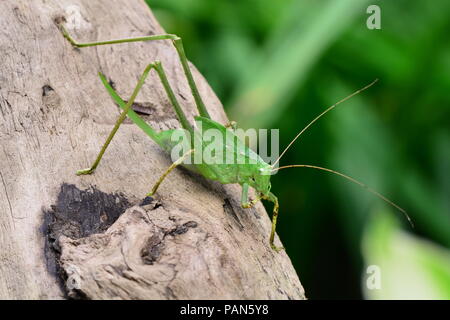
(274,199)
(119,121)
(178,110)
(177,42)
(164,175)
(115,41)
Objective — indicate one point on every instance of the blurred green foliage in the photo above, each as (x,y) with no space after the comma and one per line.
(277,64)
(405,267)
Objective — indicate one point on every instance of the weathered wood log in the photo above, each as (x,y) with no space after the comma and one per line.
(93,236)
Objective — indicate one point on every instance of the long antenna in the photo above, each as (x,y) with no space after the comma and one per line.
(379,195)
(322,114)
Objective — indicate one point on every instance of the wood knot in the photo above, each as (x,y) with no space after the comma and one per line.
(50,98)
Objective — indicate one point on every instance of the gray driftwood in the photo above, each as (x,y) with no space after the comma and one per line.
(58,232)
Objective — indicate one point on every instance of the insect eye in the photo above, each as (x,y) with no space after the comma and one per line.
(253,179)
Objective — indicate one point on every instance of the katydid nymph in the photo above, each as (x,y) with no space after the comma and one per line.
(256,175)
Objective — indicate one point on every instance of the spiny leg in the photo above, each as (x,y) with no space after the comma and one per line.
(245,203)
(178,43)
(164,175)
(271,197)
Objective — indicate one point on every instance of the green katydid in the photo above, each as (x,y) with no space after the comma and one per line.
(256,175)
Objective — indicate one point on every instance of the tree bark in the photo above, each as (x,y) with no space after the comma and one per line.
(95,236)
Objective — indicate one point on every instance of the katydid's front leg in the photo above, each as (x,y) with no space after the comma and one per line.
(272,198)
(245,203)
(231,125)
(177,42)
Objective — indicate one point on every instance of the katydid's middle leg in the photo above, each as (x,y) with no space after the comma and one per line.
(245,203)
(164,175)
